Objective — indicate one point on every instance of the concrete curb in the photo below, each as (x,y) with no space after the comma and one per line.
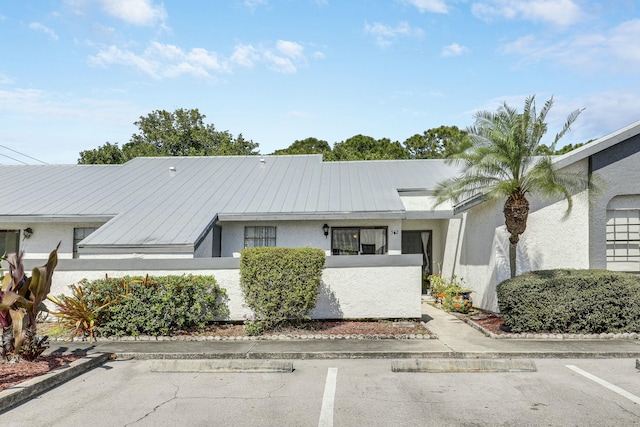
(463,365)
(24,391)
(222,366)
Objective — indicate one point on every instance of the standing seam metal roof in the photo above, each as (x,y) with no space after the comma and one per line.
(153,206)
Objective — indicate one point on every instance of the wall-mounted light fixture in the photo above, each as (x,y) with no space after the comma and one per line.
(27,232)
(325,228)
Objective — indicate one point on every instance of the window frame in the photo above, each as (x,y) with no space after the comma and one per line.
(270,241)
(341,252)
(77,240)
(3,238)
(623,238)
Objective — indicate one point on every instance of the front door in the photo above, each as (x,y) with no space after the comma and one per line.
(419,242)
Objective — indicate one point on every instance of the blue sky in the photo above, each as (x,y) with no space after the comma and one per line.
(75,74)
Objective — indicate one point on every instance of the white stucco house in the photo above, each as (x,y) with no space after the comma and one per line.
(375,220)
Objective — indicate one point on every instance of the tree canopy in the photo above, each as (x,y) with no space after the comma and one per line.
(178,133)
(306,146)
(437,143)
(184,132)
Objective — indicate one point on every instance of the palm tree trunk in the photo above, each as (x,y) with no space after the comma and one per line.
(516,212)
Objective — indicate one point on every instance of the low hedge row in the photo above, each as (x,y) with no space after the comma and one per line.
(571,301)
(154,305)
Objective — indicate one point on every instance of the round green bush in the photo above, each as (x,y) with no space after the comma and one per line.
(571,301)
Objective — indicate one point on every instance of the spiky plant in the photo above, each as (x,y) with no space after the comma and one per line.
(502,164)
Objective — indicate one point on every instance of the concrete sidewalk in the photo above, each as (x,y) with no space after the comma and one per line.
(455,340)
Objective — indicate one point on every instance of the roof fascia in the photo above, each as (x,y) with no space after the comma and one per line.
(319,216)
(596,146)
(56,218)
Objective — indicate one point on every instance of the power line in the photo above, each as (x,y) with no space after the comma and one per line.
(24,163)
(22,154)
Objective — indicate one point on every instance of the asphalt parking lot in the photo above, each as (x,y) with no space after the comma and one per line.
(562,392)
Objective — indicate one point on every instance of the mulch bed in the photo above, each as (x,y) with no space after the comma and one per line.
(489,321)
(13,373)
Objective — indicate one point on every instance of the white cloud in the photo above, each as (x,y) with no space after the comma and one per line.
(385,34)
(605,112)
(617,49)
(290,49)
(6,80)
(561,13)
(245,55)
(454,49)
(136,12)
(434,6)
(48,31)
(168,61)
(253,4)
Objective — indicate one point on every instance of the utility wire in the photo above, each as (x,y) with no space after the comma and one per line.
(24,163)
(22,154)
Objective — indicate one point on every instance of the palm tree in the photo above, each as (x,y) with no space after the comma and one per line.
(502,162)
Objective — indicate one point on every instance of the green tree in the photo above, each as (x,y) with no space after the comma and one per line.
(437,143)
(178,133)
(306,146)
(106,154)
(362,147)
(502,162)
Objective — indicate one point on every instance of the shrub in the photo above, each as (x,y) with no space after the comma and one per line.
(279,284)
(76,314)
(571,301)
(154,305)
(451,294)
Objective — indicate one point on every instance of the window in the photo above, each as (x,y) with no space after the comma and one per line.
(78,235)
(259,236)
(623,239)
(9,241)
(359,241)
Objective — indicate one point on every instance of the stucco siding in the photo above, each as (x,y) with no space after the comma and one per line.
(477,251)
(46,236)
(296,234)
(620,177)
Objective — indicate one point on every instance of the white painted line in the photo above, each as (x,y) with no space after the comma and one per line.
(614,388)
(326,413)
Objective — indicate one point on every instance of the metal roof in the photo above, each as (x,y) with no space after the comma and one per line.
(171,201)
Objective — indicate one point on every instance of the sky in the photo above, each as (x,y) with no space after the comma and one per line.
(75,74)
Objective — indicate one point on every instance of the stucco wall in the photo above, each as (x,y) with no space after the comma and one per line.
(359,287)
(477,250)
(617,167)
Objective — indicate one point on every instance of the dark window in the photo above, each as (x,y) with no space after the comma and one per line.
(9,241)
(259,236)
(359,241)
(78,235)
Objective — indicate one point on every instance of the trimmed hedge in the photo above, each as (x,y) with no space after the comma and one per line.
(155,305)
(571,301)
(279,284)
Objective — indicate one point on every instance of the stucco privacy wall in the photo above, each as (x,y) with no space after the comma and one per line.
(352,287)
(477,242)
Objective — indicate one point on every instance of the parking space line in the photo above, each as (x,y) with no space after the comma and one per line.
(614,388)
(326,413)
